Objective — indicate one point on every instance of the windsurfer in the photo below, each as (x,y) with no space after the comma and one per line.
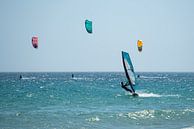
(130,74)
(124,86)
(20,76)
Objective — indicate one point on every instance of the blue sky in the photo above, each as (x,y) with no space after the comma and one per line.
(165,26)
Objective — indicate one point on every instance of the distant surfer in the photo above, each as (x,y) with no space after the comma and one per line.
(72,75)
(138,76)
(20,76)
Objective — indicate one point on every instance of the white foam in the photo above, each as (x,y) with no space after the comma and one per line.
(117,95)
(150,77)
(144,94)
(51,96)
(77,78)
(80,78)
(93,119)
(148,95)
(189,110)
(27,78)
(176,95)
(41,87)
(144,114)
(18,114)
(29,95)
(192,127)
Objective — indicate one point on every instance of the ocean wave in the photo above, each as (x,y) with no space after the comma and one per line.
(93,119)
(148,95)
(162,114)
(29,95)
(117,95)
(188,110)
(145,95)
(191,127)
(82,78)
(151,77)
(28,78)
(41,87)
(145,114)
(175,95)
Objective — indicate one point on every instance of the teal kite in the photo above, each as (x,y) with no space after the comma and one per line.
(88,25)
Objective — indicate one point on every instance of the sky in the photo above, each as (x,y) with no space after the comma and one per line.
(166,28)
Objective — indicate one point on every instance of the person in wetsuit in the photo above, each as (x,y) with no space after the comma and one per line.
(72,75)
(124,86)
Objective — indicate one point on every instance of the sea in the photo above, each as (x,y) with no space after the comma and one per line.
(95,100)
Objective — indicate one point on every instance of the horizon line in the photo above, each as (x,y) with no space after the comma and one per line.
(94,71)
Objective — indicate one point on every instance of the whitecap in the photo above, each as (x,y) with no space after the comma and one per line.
(93,119)
(117,95)
(192,127)
(148,95)
(51,96)
(41,87)
(150,77)
(18,114)
(28,78)
(175,95)
(145,114)
(29,95)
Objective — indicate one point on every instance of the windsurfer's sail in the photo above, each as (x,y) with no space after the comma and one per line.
(128,67)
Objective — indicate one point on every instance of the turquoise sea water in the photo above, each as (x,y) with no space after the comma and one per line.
(96,101)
